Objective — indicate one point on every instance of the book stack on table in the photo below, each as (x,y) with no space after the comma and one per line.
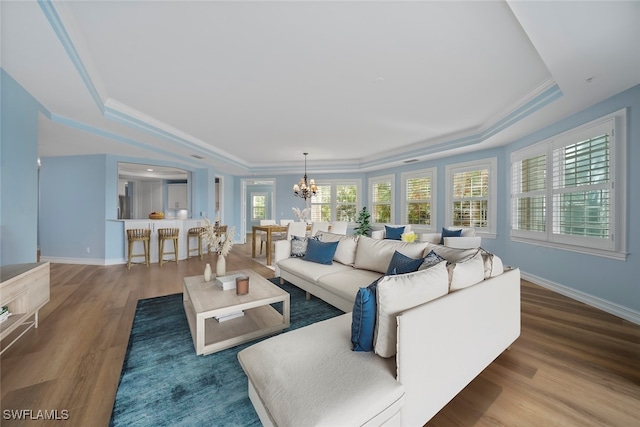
(4,313)
(228,282)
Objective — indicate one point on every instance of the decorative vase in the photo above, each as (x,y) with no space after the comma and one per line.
(221,266)
(207,272)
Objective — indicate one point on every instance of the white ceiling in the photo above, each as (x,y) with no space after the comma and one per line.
(250,86)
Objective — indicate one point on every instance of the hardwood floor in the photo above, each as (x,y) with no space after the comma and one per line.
(573,365)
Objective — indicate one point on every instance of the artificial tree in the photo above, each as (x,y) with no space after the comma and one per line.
(364,224)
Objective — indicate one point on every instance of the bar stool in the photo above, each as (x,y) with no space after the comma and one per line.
(138,235)
(168,234)
(198,233)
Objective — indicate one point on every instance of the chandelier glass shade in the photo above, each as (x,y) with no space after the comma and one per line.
(305,188)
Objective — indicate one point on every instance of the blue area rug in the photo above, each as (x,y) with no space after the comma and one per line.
(164,383)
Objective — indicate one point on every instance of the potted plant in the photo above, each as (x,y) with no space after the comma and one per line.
(364,224)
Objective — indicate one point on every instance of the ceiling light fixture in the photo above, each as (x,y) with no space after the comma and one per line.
(305,189)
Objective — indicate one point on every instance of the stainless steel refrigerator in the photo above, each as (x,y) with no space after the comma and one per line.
(124,207)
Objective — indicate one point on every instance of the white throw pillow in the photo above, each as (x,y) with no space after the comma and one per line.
(467,272)
(375,255)
(346,250)
(396,293)
(450,254)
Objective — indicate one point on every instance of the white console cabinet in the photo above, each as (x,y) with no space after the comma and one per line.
(25,289)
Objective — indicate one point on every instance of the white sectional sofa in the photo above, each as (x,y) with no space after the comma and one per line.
(311,376)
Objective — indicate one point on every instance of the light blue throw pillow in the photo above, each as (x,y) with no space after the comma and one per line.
(401,264)
(363,318)
(320,252)
(393,233)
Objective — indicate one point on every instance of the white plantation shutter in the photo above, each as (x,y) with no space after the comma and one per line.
(346,202)
(528,193)
(418,200)
(321,204)
(336,200)
(582,187)
(471,198)
(381,199)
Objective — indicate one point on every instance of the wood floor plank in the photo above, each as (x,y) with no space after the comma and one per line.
(573,365)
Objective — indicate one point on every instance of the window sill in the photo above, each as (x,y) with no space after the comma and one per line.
(620,256)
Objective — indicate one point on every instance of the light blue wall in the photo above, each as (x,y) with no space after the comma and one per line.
(203,193)
(18,173)
(73,207)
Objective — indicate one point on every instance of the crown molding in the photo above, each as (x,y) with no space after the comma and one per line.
(62,23)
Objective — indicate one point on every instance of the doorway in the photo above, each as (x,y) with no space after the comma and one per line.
(258,202)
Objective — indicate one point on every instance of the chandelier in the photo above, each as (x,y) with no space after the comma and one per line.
(305,189)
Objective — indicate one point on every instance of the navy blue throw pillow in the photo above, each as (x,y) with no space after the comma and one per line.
(320,252)
(449,233)
(363,318)
(401,264)
(393,233)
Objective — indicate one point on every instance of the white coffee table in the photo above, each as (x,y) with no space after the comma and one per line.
(204,301)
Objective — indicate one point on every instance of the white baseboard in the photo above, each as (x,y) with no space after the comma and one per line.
(599,303)
(83,261)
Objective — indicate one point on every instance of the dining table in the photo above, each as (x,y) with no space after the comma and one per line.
(269,230)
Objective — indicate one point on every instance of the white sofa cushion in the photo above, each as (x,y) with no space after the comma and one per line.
(301,385)
(463,242)
(375,255)
(466,272)
(346,284)
(347,245)
(396,293)
(312,271)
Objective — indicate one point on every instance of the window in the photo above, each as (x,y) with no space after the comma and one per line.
(418,195)
(381,197)
(258,206)
(471,195)
(335,201)
(563,192)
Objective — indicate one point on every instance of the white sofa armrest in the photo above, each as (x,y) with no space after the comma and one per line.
(282,251)
(463,242)
(435,363)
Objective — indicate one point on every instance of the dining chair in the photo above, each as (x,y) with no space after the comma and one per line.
(285,221)
(263,235)
(339,227)
(318,226)
(296,228)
